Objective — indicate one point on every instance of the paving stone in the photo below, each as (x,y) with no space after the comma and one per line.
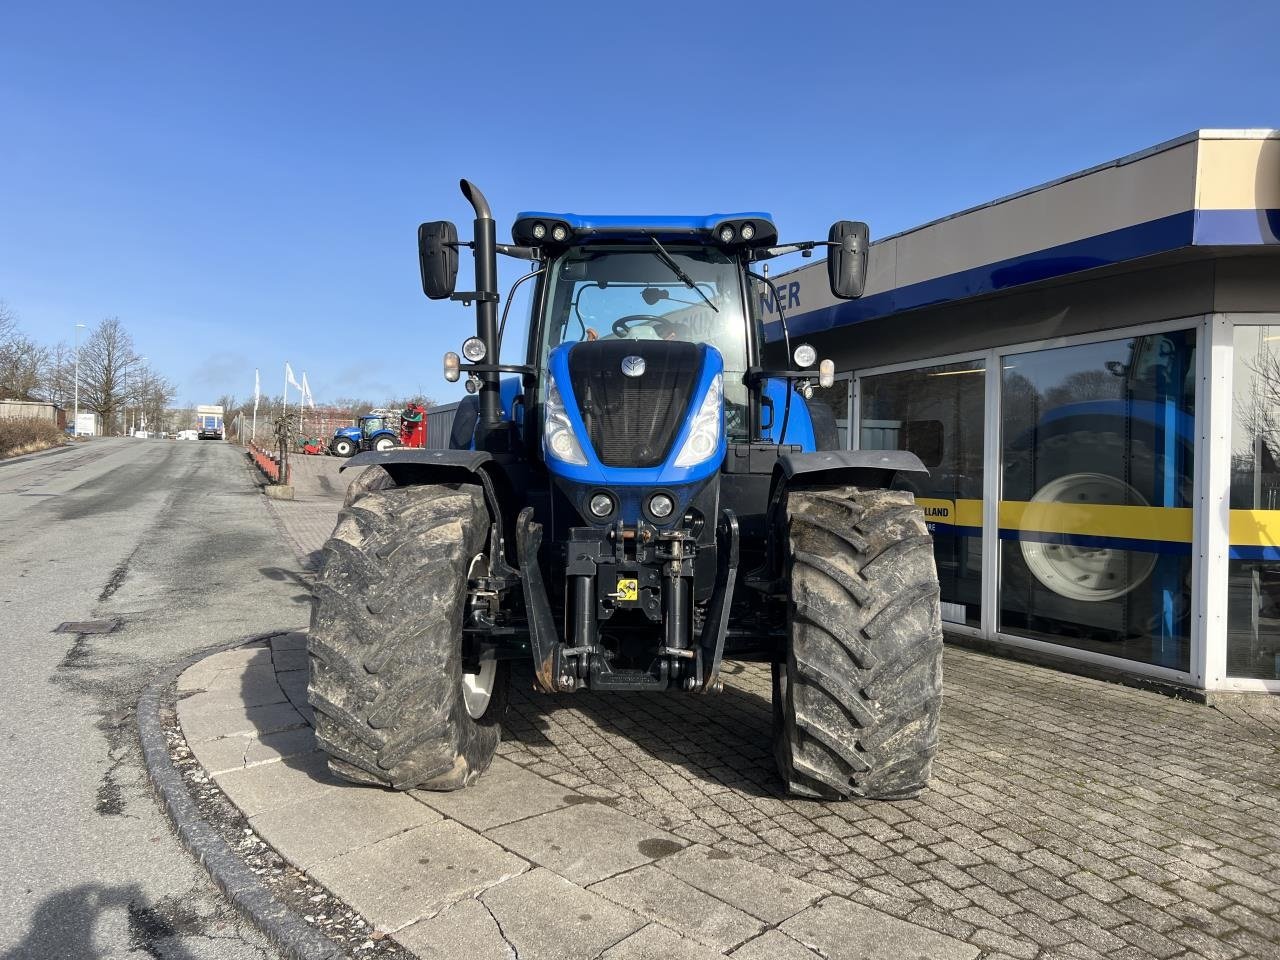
(416,874)
(464,930)
(266,786)
(586,842)
(537,915)
(774,945)
(504,794)
(235,753)
(289,659)
(338,821)
(659,896)
(838,929)
(747,886)
(656,942)
(238,721)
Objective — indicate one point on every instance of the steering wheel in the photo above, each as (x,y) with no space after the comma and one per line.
(621,326)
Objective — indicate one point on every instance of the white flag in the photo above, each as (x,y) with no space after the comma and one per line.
(288,376)
(306,392)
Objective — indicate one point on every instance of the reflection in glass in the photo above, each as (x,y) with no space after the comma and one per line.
(1253,578)
(1095,519)
(937,413)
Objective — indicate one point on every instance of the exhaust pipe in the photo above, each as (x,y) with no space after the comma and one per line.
(486,257)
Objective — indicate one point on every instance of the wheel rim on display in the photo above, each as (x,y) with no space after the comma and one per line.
(477,688)
(1087,573)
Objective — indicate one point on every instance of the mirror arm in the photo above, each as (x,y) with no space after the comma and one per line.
(519,253)
(804,247)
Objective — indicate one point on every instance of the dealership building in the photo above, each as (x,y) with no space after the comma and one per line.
(1091,371)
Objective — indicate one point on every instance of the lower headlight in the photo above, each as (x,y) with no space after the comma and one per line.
(601,505)
(661,505)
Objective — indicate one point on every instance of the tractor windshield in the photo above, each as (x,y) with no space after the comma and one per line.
(632,293)
(370,426)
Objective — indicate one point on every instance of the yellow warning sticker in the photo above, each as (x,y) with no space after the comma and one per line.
(628,588)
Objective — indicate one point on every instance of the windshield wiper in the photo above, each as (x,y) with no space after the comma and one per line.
(666,258)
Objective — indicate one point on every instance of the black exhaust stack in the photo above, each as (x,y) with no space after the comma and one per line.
(486,255)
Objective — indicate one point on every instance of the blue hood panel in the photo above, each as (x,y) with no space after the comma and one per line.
(664,475)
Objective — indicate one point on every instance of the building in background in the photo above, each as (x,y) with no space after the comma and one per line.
(1091,371)
(33,410)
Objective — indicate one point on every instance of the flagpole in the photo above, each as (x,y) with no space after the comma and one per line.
(286,388)
(302,408)
(256,391)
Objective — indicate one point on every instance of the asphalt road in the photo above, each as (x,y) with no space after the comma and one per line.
(172,540)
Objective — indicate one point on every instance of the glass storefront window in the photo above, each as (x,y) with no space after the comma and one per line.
(829,407)
(1095,512)
(937,413)
(1253,568)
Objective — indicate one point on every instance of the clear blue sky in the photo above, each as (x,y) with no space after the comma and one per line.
(241,183)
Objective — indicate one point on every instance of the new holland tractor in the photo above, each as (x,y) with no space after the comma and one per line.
(641,499)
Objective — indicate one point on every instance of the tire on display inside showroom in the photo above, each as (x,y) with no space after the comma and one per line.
(856,702)
(1086,573)
(387,676)
(1080,467)
(344,447)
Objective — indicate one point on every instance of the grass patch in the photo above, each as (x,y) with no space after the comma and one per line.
(18,437)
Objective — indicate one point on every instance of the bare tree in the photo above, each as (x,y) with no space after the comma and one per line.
(108,365)
(59,382)
(8,323)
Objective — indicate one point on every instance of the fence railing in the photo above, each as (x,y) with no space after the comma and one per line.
(268,463)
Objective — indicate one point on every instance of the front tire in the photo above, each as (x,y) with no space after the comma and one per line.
(387,680)
(857,701)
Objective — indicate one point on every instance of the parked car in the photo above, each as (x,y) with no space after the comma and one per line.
(188,435)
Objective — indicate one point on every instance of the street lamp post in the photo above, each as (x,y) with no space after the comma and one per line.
(75,425)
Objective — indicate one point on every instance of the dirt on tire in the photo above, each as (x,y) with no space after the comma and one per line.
(385,642)
(856,704)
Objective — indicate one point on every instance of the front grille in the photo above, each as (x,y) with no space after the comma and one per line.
(632,421)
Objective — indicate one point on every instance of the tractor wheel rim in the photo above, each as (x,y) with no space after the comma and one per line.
(477,688)
(1086,573)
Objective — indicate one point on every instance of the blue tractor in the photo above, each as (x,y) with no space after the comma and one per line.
(374,432)
(645,496)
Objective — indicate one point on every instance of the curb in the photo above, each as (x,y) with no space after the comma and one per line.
(286,930)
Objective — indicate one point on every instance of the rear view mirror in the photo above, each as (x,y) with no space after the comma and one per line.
(438,258)
(847,258)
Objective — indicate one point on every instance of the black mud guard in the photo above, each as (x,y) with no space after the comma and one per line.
(864,468)
(411,466)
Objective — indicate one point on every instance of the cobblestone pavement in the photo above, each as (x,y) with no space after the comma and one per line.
(1068,817)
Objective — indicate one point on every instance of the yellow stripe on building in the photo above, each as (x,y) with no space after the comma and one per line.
(1171,524)
(1255,528)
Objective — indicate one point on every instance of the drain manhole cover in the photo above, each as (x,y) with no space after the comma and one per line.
(87,626)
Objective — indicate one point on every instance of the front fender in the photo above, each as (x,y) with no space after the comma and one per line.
(865,468)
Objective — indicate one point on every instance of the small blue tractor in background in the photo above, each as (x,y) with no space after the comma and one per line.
(379,430)
(647,495)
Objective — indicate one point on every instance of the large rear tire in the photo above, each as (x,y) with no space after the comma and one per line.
(387,680)
(857,701)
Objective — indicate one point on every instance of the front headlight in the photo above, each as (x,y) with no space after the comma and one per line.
(558,438)
(704,432)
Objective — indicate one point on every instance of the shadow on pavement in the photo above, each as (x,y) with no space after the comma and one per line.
(64,925)
(724,738)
